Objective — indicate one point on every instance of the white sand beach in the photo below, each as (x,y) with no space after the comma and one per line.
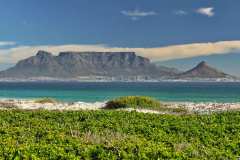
(75,106)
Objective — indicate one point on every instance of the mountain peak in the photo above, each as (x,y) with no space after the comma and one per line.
(42,53)
(203,70)
(202,64)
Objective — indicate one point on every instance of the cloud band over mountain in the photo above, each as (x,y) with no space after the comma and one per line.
(14,54)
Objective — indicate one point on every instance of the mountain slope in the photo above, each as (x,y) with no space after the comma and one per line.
(228,63)
(79,64)
(4,66)
(202,71)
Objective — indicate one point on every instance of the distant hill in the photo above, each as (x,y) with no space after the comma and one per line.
(203,70)
(80,64)
(228,63)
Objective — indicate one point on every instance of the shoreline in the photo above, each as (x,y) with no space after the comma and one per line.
(52,80)
(192,107)
(65,81)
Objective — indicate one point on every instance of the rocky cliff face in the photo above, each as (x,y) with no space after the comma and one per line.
(77,64)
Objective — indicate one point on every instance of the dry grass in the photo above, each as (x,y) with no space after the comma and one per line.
(6,105)
(180,147)
(46,100)
(106,137)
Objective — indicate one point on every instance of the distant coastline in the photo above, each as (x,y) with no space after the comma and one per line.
(111,79)
(188,107)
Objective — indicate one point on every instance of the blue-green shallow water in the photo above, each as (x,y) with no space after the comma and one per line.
(92,92)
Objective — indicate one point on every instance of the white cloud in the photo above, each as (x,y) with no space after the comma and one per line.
(7,43)
(208,11)
(180,12)
(136,14)
(13,55)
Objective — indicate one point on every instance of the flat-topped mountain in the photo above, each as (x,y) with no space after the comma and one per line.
(80,64)
(203,70)
(102,66)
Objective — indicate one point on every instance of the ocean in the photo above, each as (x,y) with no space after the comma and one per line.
(103,91)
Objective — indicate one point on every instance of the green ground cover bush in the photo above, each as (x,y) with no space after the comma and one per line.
(133,102)
(118,135)
(141,102)
(45,100)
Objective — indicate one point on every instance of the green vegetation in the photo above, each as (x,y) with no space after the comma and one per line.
(141,102)
(133,102)
(118,135)
(45,100)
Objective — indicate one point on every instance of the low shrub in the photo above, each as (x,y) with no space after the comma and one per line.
(142,102)
(7,105)
(45,100)
(133,102)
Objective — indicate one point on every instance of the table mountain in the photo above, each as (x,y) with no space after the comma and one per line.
(80,64)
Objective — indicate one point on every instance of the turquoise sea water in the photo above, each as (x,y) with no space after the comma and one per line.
(92,92)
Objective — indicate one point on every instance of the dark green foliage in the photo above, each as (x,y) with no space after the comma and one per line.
(142,102)
(118,135)
(133,102)
(45,100)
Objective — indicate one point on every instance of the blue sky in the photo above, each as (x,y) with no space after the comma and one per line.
(102,21)
(158,29)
